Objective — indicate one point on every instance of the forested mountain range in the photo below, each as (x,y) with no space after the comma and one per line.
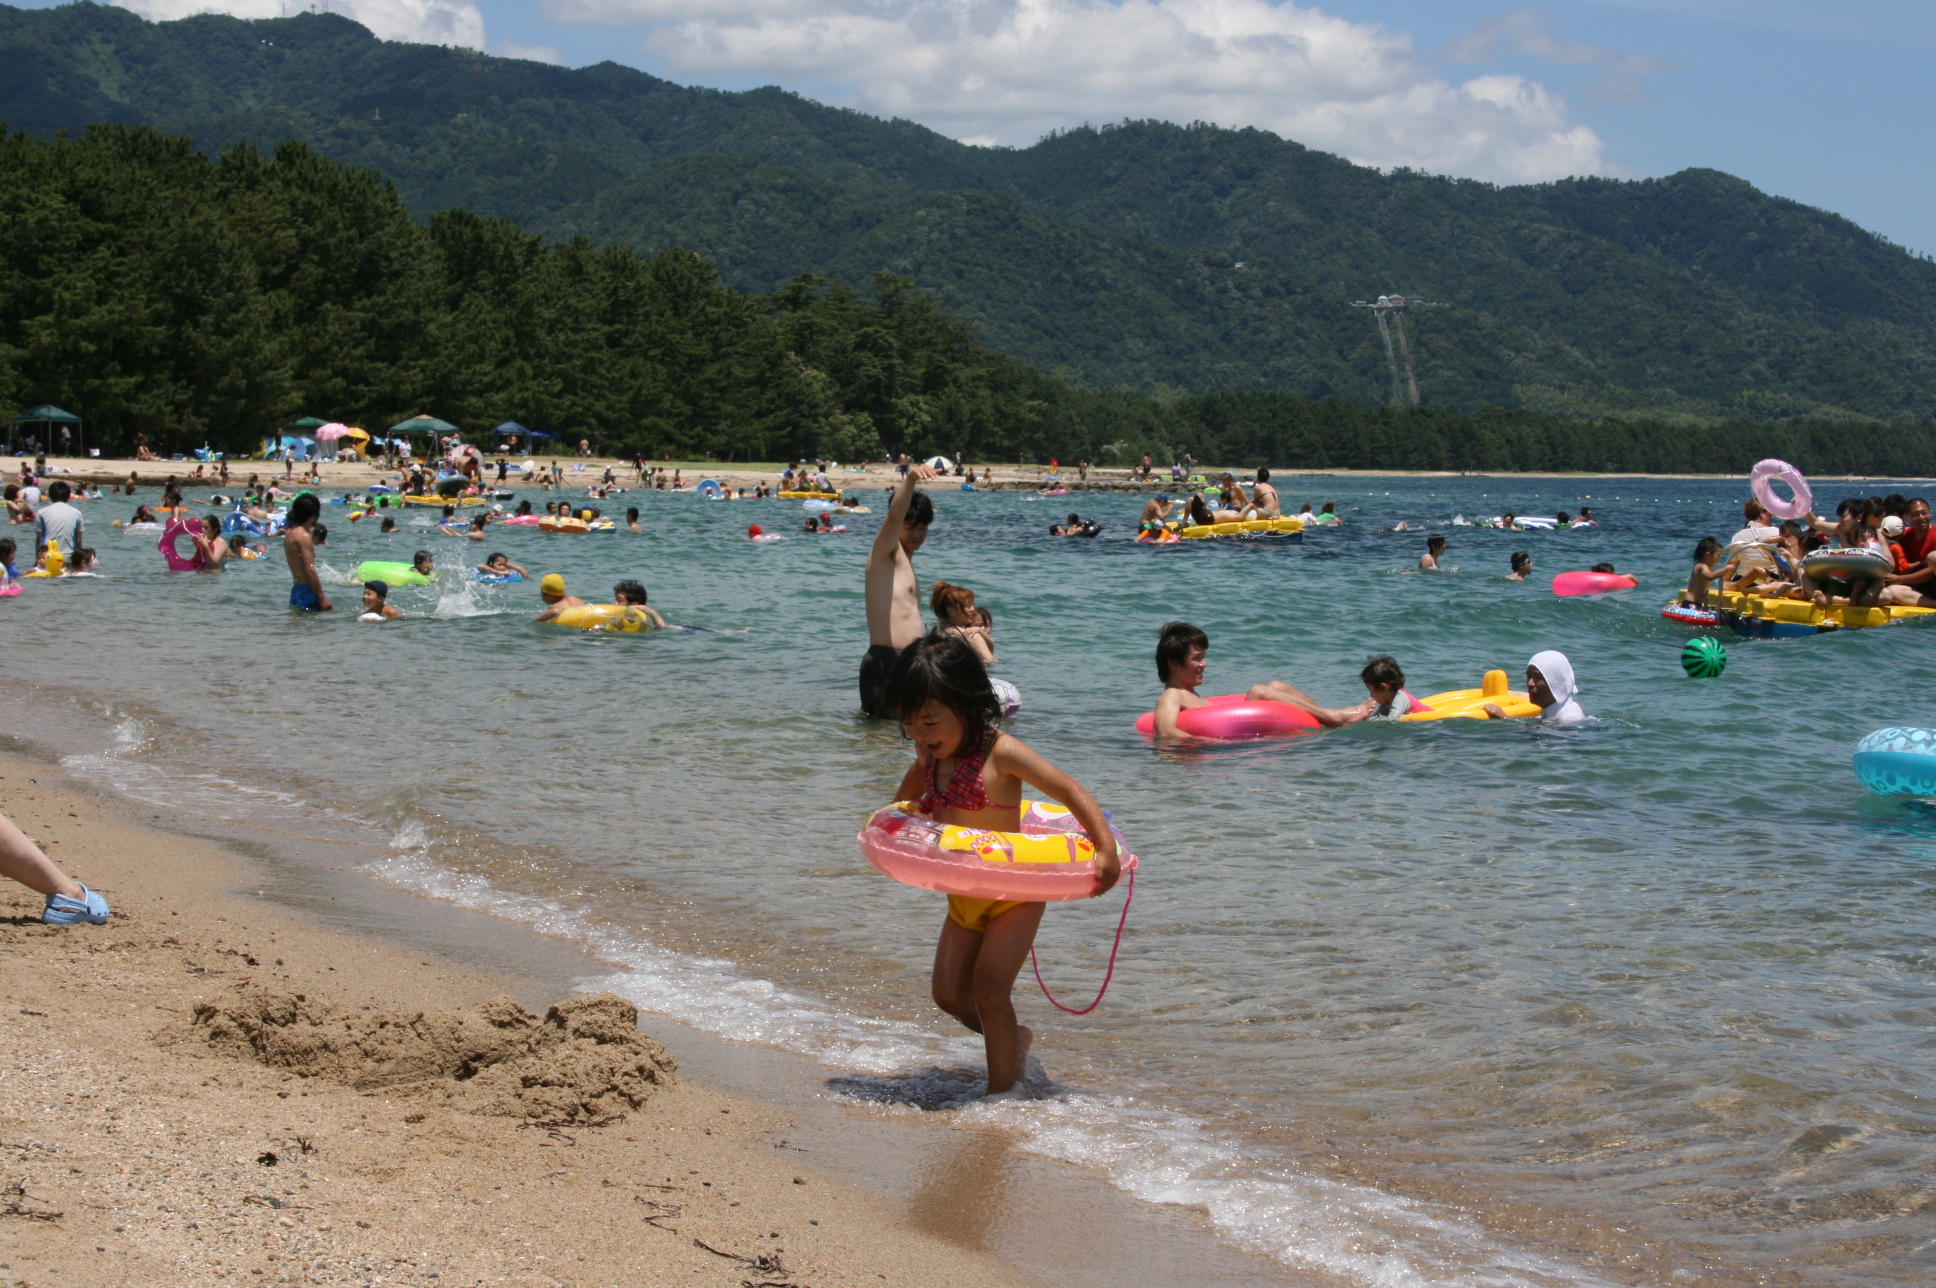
(1142,256)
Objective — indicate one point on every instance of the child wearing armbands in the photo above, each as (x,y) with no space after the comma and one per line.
(969,772)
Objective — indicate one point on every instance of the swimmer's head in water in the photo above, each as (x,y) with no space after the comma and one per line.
(952,604)
(375,595)
(1263,475)
(1602,567)
(497,559)
(211,526)
(940,692)
(920,514)
(1383,676)
(7,548)
(1521,561)
(629,592)
(421,561)
(1537,691)
(304,509)
(389,524)
(551,587)
(1183,646)
(1435,543)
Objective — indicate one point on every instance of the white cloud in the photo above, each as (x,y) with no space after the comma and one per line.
(1529,32)
(534,53)
(424,22)
(1011,70)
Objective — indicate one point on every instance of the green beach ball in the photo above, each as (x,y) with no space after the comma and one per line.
(1704,658)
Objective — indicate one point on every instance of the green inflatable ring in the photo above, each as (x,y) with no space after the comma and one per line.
(394,574)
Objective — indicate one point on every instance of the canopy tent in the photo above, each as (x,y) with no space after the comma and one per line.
(48,415)
(306,424)
(539,433)
(421,424)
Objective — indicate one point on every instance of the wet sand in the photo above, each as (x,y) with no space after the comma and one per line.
(138,1155)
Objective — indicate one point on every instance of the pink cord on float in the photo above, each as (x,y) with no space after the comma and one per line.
(1128,898)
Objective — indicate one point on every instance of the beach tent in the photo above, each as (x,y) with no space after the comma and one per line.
(421,424)
(47,416)
(304,448)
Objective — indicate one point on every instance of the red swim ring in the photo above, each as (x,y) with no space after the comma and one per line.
(1591,583)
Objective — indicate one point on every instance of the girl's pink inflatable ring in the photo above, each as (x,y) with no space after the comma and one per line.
(1050,859)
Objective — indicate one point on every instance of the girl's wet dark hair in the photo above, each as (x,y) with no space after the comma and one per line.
(940,667)
(1383,669)
(419,559)
(1173,647)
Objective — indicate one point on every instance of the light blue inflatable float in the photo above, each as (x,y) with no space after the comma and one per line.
(1898,762)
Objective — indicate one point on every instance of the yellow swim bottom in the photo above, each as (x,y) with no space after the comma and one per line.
(975,914)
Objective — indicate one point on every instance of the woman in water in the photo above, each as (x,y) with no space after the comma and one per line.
(211,549)
(1550,687)
(1522,566)
(969,773)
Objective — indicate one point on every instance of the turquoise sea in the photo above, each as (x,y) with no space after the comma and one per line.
(1642,1001)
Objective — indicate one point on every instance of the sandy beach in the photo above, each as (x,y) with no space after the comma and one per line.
(990,477)
(147,1142)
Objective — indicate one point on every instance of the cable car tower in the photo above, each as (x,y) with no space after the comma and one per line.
(1390,312)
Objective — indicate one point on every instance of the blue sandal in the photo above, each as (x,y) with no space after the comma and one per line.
(63,911)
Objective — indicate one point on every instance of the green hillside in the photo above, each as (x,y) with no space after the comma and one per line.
(1143,256)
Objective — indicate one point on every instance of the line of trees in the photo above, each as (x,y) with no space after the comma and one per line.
(197,300)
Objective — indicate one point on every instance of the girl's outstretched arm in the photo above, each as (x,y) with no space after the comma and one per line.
(1013,756)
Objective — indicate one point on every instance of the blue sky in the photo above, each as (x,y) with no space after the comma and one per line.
(1827,103)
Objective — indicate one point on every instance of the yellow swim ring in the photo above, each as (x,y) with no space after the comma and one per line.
(626,618)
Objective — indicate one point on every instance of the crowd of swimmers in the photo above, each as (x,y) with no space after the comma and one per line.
(1769,559)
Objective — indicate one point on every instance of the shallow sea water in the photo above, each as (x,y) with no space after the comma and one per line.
(1643,1001)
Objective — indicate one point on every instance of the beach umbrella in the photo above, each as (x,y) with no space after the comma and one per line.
(939,463)
(331,432)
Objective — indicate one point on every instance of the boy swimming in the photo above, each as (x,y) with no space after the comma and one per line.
(376,603)
(552,591)
(632,595)
(968,772)
(1180,663)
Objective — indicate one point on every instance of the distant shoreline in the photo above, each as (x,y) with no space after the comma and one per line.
(1006,478)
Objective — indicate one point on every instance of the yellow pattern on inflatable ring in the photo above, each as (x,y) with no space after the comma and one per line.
(459,501)
(1471,703)
(1017,847)
(625,618)
(809,496)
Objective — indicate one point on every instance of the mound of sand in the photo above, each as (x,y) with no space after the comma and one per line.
(585,1059)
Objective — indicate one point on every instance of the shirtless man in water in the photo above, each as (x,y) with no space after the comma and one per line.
(893,591)
(299,547)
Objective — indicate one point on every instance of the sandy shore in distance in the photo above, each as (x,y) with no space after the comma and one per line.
(1004,477)
(144,1142)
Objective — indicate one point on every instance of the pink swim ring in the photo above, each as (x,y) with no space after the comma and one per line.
(170,535)
(1766,474)
(1050,859)
(1592,583)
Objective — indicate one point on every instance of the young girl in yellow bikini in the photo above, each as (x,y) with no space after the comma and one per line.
(968,772)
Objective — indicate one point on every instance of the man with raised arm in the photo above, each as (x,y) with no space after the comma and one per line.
(893,592)
(299,547)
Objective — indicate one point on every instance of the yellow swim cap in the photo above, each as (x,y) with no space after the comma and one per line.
(553,584)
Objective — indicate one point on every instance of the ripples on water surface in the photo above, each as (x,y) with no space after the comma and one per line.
(1642,1001)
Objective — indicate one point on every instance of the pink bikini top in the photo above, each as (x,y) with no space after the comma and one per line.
(964,789)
